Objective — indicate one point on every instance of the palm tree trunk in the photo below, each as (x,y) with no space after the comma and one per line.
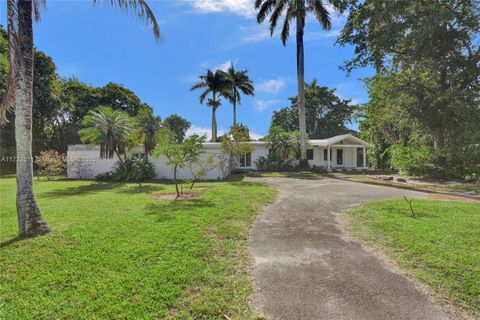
(301,87)
(214,119)
(234,107)
(30,221)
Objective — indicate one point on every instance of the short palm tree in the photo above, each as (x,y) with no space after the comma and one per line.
(217,84)
(295,10)
(19,96)
(148,126)
(239,83)
(110,129)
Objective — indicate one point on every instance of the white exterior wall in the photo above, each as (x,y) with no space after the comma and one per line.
(92,165)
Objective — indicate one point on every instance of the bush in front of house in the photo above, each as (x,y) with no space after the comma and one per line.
(272,162)
(129,170)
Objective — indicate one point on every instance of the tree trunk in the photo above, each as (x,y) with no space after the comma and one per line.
(234,107)
(214,118)
(175,181)
(301,87)
(30,221)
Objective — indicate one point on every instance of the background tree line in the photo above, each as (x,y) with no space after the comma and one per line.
(61,104)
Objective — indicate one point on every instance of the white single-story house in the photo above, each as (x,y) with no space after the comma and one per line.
(340,152)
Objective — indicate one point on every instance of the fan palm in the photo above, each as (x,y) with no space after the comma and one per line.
(148,126)
(19,96)
(239,83)
(295,10)
(111,129)
(217,84)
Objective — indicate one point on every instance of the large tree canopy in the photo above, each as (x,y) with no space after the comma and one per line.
(426,93)
(327,115)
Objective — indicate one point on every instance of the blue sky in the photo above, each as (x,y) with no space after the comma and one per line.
(100,44)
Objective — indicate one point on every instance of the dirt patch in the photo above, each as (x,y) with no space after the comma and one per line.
(173,196)
(448,197)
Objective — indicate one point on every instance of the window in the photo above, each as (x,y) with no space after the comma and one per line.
(360,157)
(138,155)
(339,156)
(309,154)
(246,160)
(325,154)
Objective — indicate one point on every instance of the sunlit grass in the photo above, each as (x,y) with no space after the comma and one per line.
(115,253)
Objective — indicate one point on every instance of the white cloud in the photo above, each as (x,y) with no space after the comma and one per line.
(199,130)
(208,132)
(224,66)
(263,105)
(244,8)
(272,86)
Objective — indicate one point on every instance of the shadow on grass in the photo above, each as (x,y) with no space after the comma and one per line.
(10,242)
(167,210)
(95,187)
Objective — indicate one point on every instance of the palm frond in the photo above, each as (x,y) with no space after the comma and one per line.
(36,8)
(290,15)
(141,9)
(277,12)
(265,8)
(321,13)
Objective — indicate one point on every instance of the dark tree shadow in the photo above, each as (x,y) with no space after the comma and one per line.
(10,242)
(166,210)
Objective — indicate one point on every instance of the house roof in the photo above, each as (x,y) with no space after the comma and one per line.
(216,145)
(338,139)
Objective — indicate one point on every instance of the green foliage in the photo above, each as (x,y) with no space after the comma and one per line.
(412,160)
(273,163)
(326,114)
(425,92)
(147,127)
(179,155)
(234,145)
(200,168)
(178,125)
(50,163)
(239,83)
(285,145)
(136,170)
(111,129)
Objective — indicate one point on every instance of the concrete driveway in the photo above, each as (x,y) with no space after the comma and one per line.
(305,268)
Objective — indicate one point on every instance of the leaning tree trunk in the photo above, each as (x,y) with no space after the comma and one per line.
(301,90)
(30,221)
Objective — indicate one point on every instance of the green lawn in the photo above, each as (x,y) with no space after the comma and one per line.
(441,247)
(117,254)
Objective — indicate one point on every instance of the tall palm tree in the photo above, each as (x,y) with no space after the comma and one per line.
(19,96)
(148,126)
(217,84)
(295,10)
(111,129)
(239,82)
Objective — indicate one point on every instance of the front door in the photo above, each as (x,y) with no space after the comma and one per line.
(339,157)
(359,157)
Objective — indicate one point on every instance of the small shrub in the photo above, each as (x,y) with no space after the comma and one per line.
(50,163)
(107,176)
(273,163)
(132,170)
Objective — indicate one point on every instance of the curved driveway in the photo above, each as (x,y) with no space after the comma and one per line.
(304,268)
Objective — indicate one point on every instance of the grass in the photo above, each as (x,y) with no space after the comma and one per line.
(441,247)
(117,254)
